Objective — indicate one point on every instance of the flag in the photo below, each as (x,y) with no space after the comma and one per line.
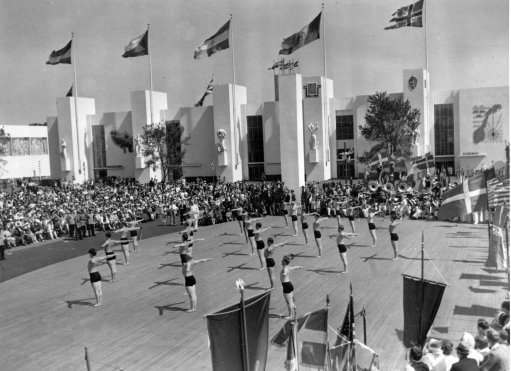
(307,34)
(311,339)
(464,199)
(343,354)
(291,363)
(61,56)
(70,92)
(367,359)
(219,41)
(407,16)
(500,216)
(209,90)
(421,300)
(225,332)
(138,46)
(423,162)
(348,325)
(498,192)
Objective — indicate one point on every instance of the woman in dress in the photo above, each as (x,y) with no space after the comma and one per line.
(287,285)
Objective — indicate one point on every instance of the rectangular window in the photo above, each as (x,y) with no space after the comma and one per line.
(38,146)
(444,130)
(312,90)
(98,147)
(5,146)
(255,139)
(20,146)
(344,127)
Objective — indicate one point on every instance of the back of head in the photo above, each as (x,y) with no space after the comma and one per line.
(493,336)
(270,241)
(482,324)
(92,252)
(286,260)
(415,353)
(468,340)
(108,234)
(462,351)
(447,347)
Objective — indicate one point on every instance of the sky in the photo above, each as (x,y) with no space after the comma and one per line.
(468,47)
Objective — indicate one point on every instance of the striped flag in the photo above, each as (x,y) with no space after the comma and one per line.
(219,41)
(138,46)
(464,199)
(209,90)
(306,35)
(61,56)
(498,192)
(500,216)
(407,16)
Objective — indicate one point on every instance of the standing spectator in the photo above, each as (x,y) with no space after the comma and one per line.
(498,357)
(434,357)
(449,358)
(465,363)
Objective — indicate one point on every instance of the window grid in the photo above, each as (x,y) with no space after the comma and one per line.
(344,127)
(255,139)
(444,129)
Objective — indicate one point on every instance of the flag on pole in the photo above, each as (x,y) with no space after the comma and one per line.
(311,338)
(306,35)
(225,332)
(219,41)
(464,199)
(421,300)
(407,16)
(291,363)
(138,46)
(209,90)
(342,355)
(61,56)
(498,192)
(423,162)
(70,92)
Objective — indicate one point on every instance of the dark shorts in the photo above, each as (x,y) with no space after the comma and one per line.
(95,277)
(294,218)
(317,234)
(110,256)
(133,233)
(305,225)
(239,217)
(351,218)
(394,237)
(250,232)
(287,287)
(270,262)
(124,241)
(185,258)
(190,281)
(371,226)
(285,212)
(342,248)
(338,213)
(260,244)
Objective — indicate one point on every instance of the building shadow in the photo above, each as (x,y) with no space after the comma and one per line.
(475,310)
(477,290)
(253,286)
(324,271)
(472,276)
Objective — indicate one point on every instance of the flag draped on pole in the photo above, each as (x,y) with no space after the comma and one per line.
(468,197)
(311,339)
(70,92)
(219,41)
(225,330)
(138,46)
(498,192)
(209,90)
(421,300)
(61,56)
(306,35)
(407,16)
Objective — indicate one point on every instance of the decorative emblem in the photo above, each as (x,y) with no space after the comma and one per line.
(412,83)
(221,134)
(313,127)
(487,123)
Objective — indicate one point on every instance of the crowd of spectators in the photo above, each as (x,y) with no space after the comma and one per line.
(485,350)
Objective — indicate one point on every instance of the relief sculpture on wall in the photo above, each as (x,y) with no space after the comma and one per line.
(487,123)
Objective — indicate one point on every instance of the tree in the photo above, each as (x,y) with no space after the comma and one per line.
(392,124)
(175,151)
(154,148)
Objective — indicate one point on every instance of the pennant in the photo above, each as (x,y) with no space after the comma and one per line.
(219,41)
(61,56)
(225,332)
(407,16)
(306,35)
(464,199)
(348,325)
(138,46)
(421,300)
(70,92)
(209,90)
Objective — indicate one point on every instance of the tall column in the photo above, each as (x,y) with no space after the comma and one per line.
(230,131)
(416,90)
(291,130)
(74,136)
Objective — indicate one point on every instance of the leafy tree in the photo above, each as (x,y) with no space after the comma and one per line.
(392,124)
(175,151)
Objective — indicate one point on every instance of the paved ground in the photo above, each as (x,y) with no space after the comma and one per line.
(24,259)
(47,318)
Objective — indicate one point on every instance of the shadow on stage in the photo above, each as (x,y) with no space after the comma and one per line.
(241,267)
(237,253)
(173,264)
(83,302)
(165,283)
(170,307)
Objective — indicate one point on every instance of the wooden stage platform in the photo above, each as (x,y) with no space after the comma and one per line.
(46,317)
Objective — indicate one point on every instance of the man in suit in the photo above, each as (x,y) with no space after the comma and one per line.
(464,364)
(498,358)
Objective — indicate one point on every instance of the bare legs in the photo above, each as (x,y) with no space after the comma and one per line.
(305,236)
(270,275)
(291,307)
(113,268)
(126,253)
(192,295)
(344,259)
(372,232)
(295,227)
(319,245)
(252,245)
(352,225)
(260,254)
(394,247)
(98,293)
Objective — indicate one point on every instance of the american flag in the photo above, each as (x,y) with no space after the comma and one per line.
(498,192)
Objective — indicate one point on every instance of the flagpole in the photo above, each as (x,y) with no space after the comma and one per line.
(231,44)
(73,62)
(323,37)
(426,109)
(422,286)
(150,77)
(244,340)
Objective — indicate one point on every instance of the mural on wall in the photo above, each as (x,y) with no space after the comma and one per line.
(123,140)
(487,123)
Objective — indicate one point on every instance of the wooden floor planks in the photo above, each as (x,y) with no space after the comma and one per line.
(46,320)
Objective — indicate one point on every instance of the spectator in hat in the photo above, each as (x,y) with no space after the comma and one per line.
(465,363)
(498,357)
(433,356)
